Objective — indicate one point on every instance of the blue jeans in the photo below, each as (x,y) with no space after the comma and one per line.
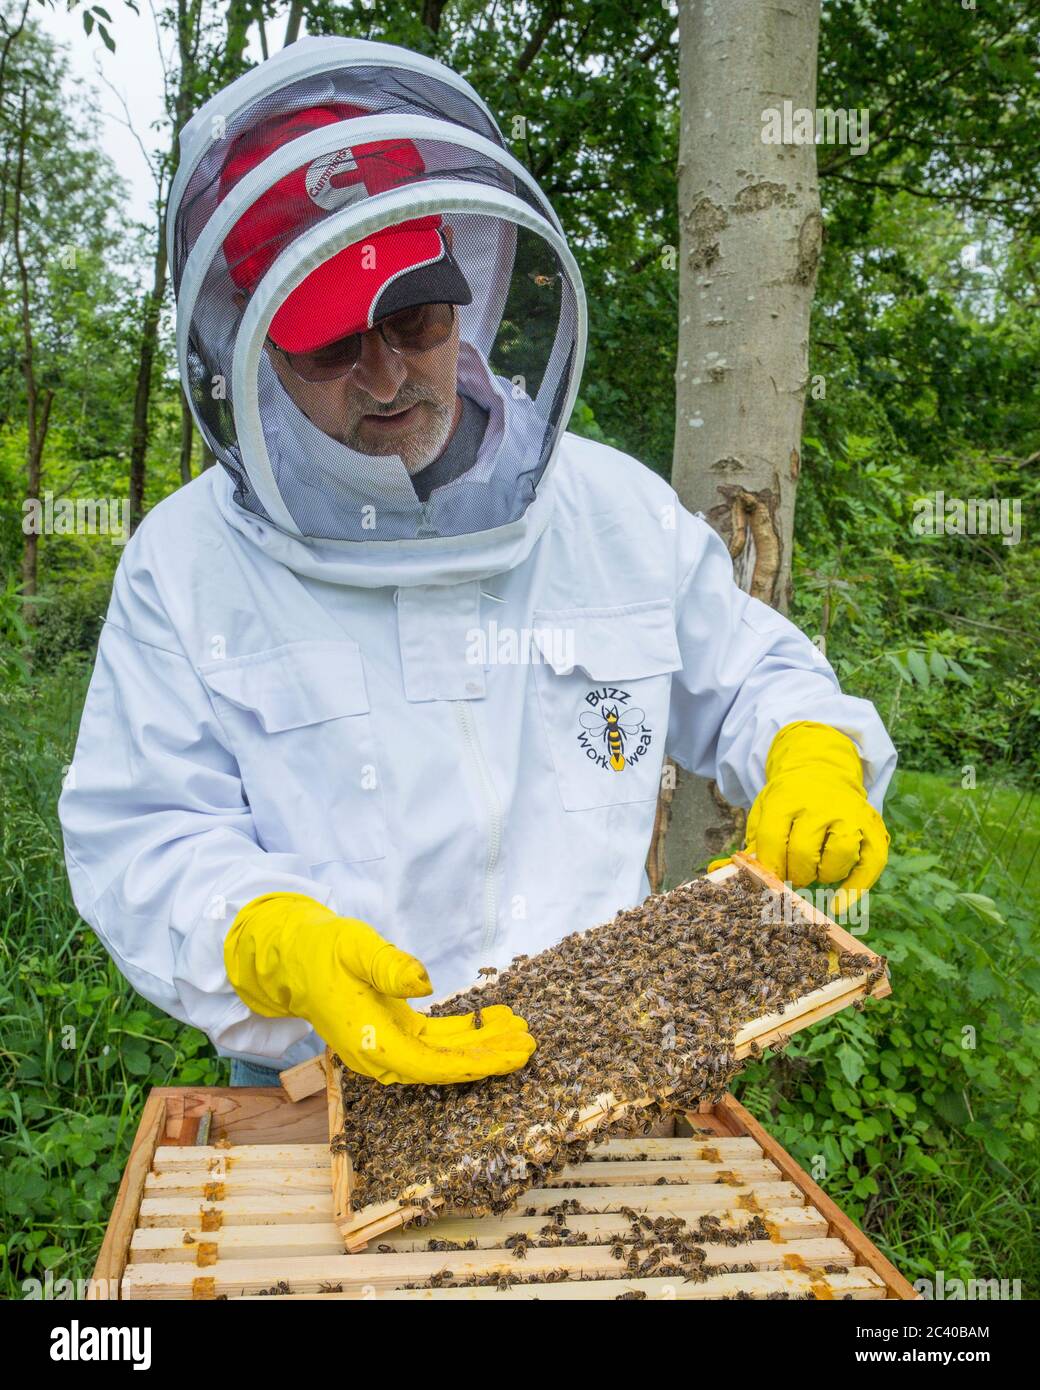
(249,1074)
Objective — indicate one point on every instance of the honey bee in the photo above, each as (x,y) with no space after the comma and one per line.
(614,728)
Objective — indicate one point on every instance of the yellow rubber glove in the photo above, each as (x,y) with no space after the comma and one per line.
(812,821)
(288,956)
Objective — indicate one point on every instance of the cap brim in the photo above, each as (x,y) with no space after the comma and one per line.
(392,270)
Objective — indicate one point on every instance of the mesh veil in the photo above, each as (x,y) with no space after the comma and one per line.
(419,145)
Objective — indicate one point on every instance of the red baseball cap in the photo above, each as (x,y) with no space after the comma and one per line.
(394,269)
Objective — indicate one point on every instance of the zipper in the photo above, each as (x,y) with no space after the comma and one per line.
(424,527)
(493,810)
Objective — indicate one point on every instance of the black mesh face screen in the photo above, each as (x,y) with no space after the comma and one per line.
(271,280)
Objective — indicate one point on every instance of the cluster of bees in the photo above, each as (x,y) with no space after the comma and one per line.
(653,1247)
(644,1007)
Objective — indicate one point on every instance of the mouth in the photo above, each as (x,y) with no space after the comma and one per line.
(393,424)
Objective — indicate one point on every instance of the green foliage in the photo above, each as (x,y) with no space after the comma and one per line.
(69,622)
(898,1109)
(81,1048)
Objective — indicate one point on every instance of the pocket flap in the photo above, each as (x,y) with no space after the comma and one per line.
(295,685)
(609,643)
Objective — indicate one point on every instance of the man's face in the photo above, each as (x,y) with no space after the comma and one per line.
(390,403)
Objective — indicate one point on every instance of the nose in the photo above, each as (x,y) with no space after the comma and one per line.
(379,370)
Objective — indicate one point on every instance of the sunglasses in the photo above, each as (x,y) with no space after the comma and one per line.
(417,329)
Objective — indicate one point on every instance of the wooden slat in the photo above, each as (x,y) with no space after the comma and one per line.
(307,1273)
(303,1080)
(258,1209)
(677,1171)
(342,1169)
(632,1150)
(112,1256)
(655,1200)
(858,1283)
(170,1158)
(261,1209)
(271,1181)
(786,1222)
(376,1218)
(159,1245)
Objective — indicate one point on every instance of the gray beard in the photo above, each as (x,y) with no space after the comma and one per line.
(422,444)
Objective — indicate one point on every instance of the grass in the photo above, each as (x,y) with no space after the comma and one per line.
(993,831)
(873,1091)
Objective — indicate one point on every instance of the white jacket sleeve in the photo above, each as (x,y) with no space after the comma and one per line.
(748,671)
(159,840)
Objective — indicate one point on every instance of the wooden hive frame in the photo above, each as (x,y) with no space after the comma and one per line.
(228,1194)
(360,1227)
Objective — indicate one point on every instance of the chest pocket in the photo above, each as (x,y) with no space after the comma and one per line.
(604,686)
(298,720)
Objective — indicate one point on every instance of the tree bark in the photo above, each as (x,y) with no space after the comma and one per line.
(147,345)
(292,24)
(38,400)
(187,440)
(750,237)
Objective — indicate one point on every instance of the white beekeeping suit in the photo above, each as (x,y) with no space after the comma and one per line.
(444,716)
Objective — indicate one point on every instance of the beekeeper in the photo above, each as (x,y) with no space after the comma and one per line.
(383,699)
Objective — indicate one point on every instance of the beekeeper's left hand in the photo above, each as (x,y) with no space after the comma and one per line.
(812,821)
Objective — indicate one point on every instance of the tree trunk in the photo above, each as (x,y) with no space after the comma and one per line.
(292,24)
(38,401)
(187,439)
(750,236)
(143,385)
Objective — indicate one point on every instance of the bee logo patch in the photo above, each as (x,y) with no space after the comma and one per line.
(613,734)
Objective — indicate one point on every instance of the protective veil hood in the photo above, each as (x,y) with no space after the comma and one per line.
(336,144)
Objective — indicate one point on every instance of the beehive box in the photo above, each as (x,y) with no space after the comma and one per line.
(362,1224)
(228,1194)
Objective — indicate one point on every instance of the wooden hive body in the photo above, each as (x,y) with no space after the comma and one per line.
(252,1215)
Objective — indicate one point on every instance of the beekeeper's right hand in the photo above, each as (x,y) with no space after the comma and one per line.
(289,956)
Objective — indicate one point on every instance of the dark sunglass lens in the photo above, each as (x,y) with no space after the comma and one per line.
(418,329)
(327,362)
